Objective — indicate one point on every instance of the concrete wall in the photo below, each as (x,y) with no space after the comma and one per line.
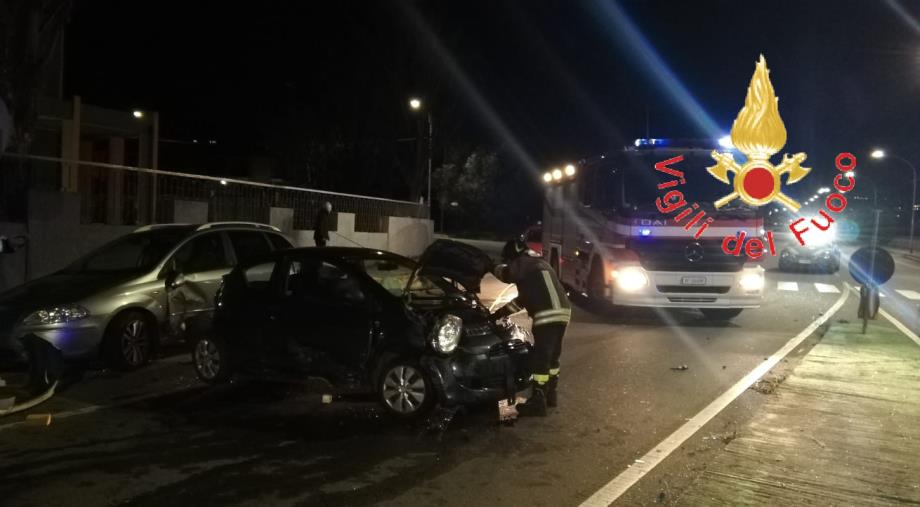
(190,212)
(409,236)
(56,237)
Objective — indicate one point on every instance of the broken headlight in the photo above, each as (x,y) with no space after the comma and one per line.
(446,334)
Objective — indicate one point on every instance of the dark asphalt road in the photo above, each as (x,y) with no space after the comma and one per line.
(158,437)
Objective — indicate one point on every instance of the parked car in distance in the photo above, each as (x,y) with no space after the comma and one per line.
(818,256)
(122,300)
(367,320)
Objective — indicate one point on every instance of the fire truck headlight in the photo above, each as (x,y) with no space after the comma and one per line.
(630,279)
(751,281)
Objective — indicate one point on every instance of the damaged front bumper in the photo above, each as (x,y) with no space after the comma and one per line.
(468,378)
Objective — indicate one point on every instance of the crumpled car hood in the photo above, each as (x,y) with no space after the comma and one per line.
(456,261)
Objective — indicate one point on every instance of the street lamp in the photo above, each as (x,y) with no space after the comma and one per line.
(880,154)
(415,104)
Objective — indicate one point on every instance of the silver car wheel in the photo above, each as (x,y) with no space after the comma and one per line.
(134,342)
(404,389)
(207,359)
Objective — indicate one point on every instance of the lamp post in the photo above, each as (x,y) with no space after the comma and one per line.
(416,105)
(880,154)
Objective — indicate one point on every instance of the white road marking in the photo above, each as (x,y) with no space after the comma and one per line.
(621,483)
(901,327)
(826,288)
(897,323)
(909,294)
(791,286)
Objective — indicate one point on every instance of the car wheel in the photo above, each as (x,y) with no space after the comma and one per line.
(784,265)
(211,357)
(129,341)
(404,389)
(720,314)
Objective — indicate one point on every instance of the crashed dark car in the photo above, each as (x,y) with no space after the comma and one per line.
(414,334)
(816,256)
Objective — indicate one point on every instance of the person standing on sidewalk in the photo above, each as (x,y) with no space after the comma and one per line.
(321,228)
(542,295)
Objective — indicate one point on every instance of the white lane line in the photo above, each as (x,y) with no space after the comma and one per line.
(621,483)
(909,294)
(901,327)
(791,286)
(825,288)
(897,323)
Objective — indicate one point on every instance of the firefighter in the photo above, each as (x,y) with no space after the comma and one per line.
(542,295)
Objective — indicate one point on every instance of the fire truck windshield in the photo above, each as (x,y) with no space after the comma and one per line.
(629,183)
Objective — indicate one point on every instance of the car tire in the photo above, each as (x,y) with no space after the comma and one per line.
(211,359)
(721,314)
(129,340)
(404,389)
(784,266)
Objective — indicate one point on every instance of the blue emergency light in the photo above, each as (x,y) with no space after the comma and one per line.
(645,232)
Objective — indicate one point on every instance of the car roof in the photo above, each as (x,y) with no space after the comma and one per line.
(338,252)
(210,226)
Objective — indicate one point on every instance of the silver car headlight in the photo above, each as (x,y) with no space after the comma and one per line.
(446,334)
(56,315)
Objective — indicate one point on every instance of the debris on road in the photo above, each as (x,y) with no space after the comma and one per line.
(682,367)
(38,420)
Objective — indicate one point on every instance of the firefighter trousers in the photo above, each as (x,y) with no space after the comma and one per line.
(547,348)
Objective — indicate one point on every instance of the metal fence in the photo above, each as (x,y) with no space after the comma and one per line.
(123,195)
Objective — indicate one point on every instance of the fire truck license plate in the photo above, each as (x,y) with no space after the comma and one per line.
(693,280)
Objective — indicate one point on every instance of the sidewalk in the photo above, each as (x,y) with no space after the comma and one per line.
(842,429)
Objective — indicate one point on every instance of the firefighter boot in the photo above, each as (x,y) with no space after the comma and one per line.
(535,406)
(551,399)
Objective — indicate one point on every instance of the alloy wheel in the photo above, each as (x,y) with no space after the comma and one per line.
(207,359)
(135,343)
(404,389)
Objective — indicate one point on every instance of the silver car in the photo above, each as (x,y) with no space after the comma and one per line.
(121,301)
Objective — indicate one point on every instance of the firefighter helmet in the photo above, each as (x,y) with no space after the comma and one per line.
(513,249)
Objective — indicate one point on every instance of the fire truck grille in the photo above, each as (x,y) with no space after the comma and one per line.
(692,300)
(685,255)
(683,289)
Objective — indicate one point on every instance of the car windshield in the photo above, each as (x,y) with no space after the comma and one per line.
(394,273)
(135,252)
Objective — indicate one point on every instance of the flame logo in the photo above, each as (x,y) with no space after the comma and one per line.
(758,131)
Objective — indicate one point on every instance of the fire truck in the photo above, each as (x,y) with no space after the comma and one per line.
(607,239)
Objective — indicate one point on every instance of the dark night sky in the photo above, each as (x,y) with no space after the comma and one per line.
(558,79)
